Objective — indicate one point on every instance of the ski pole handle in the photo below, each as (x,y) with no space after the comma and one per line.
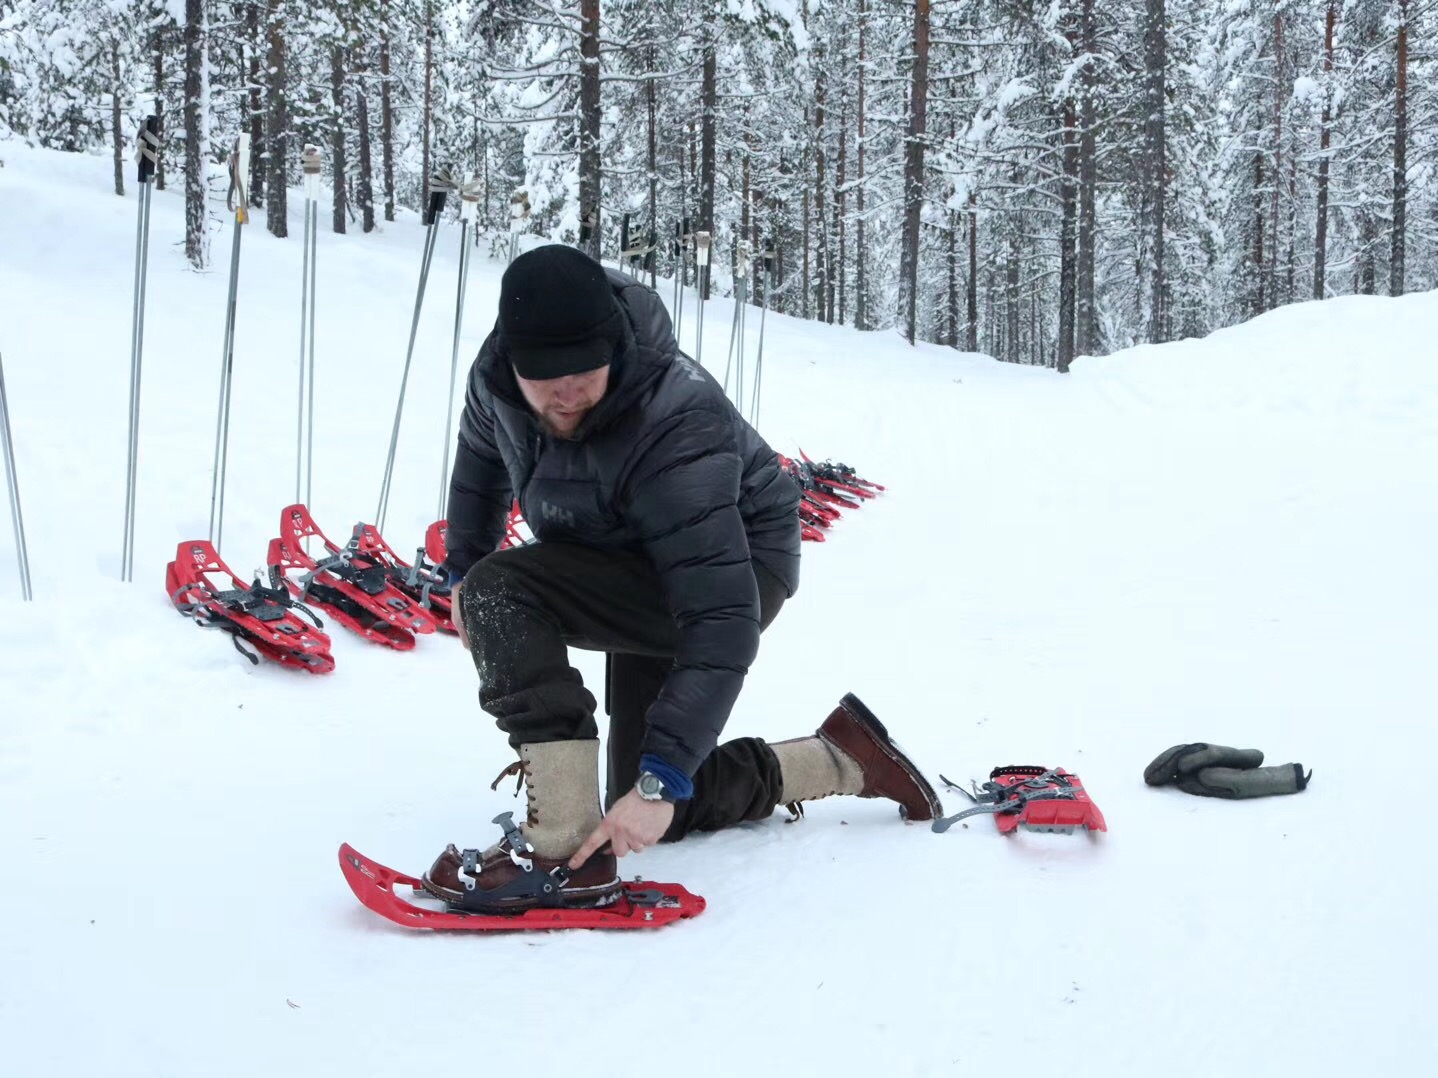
(310,160)
(439,185)
(147,149)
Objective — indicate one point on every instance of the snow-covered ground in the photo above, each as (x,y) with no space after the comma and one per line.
(1228,540)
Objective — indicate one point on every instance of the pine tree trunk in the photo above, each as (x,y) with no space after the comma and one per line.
(116,119)
(364,182)
(337,92)
(821,238)
(1086,336)
(953,335)
(1011,301)
(1156,157)
(861,253)
(254,48)
(1068,238)
(1320,239)
(589,165)
(841,224)
(196,143)
(1260,270)
(1279,92)
(277,123)
(159,59)
(972,339)
(426,169)
(386,112)
(914,172)
(651,101)
(1400,160)
(804,266)
(709,94)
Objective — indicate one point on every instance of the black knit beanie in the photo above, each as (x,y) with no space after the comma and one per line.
(557,313)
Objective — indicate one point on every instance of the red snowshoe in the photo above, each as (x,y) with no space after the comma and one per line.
(1034,798)
(422,581)
(646,905)
(202,587)
(354,587)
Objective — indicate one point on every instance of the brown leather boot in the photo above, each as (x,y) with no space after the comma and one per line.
(852,753)
(526,869)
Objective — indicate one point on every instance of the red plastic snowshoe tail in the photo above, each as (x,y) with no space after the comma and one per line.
(1039,814)
(811,534)
(646,905)
(323,590)
(361,579)
(434,542)
(203,587)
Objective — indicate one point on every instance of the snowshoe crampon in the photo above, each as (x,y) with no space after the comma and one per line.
(1034,798)
(202,587)
(640,905)
(354,587)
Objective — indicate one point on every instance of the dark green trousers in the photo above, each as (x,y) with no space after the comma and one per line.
(523,608)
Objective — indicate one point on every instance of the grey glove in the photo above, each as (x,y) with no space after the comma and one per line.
(1219,771)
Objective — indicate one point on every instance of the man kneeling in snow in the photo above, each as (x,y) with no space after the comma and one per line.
(668,539)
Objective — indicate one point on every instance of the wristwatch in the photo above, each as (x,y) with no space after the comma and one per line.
(651,788)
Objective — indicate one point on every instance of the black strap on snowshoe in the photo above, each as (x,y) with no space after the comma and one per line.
(544,887)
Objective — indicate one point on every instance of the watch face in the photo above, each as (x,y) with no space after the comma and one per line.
(650,786)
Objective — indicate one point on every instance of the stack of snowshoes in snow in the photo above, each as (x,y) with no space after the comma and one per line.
(364,586)
(826,489)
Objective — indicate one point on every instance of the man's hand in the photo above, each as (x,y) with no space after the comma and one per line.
(456,613)
(631,825)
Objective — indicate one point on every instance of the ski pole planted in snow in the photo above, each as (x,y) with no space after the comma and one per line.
(736,332)
(440,185)
(681,248)
(305,453)
(147,154)
(763,310)
(14,486)
(238,202)
(468,205)
(702,242)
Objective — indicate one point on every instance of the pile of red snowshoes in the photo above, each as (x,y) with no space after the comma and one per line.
(364,586)
(826,489)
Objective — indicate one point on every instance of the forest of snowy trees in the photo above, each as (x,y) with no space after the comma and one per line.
(1037,179)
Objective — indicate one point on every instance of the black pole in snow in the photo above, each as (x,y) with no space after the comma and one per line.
(146,154)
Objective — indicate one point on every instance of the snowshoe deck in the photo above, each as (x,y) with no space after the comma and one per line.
(643,905)
(1034,798)
(204,588)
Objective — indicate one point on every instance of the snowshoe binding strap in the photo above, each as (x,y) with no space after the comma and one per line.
(546,888)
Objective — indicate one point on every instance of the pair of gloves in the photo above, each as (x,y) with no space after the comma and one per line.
(1219,771)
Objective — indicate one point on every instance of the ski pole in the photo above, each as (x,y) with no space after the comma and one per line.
(305,450)
(439,186)
(701,279)
(681,249)
(146,154)
(468,204)
(14,485)
(763,310)
(736,331)
(238,202)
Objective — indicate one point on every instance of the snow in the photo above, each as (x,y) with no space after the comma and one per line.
(1225,540)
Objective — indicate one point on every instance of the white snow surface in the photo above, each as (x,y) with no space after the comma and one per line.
(1225,540)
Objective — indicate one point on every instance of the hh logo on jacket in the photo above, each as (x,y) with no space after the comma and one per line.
(557,513)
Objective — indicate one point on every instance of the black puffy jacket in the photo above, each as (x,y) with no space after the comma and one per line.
(665,465)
